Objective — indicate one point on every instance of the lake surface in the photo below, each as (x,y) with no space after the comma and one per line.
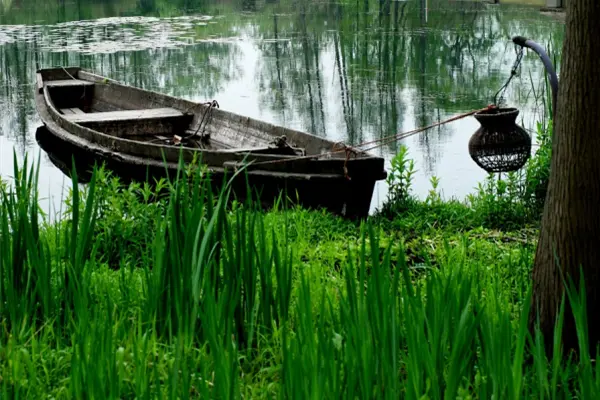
(352,71)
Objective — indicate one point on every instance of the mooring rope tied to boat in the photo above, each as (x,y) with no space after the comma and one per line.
(207,113)
(341,147)
(379,142)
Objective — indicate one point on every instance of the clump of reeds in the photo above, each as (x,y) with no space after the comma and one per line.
(225,310)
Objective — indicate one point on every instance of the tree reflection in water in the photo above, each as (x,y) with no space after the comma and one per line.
(351,70)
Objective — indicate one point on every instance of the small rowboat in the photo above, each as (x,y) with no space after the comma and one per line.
(140,133)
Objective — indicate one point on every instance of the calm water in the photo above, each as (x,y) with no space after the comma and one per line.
(350,70)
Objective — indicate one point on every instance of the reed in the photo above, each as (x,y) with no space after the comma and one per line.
(234,303)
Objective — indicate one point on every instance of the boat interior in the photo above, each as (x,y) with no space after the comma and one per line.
(90,100)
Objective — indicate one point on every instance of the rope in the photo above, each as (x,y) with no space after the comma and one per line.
(207,113)
(348,151)
(513,72)
(72,77)
(67,72)
(399,136)
(379,142)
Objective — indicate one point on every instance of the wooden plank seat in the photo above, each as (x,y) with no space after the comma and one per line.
(71,111)
(68,83)
(141,122)
(124,115)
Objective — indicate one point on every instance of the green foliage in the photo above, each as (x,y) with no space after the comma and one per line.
(399,182)
(518,199)
(538,170)
(507,202)
(499,202)
(234,303)
(433,197)
(128,220)
(37,284)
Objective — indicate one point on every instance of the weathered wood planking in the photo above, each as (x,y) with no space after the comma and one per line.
(40,82)
(68,82)
(72,111)
(122,124)
(125,115)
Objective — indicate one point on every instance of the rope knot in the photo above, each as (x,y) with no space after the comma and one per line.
(348,150)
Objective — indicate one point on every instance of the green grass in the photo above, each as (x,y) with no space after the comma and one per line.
(185,295)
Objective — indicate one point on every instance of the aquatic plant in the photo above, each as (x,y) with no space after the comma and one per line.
(234,303)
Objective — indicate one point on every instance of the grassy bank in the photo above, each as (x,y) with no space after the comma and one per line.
(136,294)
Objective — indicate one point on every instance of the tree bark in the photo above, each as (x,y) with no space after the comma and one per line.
(570,230)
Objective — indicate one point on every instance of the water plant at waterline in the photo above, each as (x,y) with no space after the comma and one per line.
(226,309)
(506,201)
(399,181)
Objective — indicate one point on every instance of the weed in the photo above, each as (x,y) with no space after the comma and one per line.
(399,182)
(232,303)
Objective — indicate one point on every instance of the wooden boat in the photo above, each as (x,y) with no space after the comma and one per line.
(140,133)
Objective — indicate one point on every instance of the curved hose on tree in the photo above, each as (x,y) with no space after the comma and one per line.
(530,44)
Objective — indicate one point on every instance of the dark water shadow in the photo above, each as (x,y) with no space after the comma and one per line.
(64,155)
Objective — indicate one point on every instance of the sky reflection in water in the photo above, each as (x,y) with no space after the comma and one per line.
(333,69)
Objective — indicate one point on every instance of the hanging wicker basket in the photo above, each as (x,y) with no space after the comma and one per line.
(500,145)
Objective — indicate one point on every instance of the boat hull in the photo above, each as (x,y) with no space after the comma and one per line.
(350,199)
(308,183)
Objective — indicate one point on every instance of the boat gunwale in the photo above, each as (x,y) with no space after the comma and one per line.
(259,125)
(85,137)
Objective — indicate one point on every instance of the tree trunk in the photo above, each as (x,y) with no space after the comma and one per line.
(570,230)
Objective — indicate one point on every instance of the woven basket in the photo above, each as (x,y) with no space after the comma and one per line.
(499,145)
